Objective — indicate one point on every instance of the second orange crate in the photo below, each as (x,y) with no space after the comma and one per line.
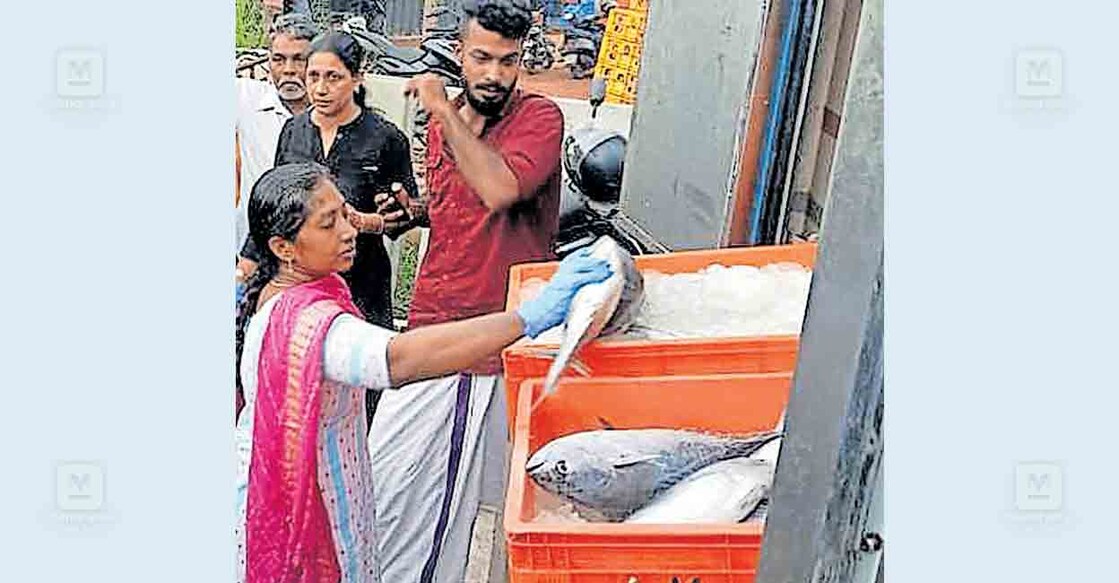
(616,553)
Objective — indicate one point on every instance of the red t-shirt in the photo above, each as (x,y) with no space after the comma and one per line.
(470,248)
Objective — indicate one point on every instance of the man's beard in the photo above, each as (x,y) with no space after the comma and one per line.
(292,92)
(486,107)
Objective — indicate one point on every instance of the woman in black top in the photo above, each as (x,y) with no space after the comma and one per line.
(366,154)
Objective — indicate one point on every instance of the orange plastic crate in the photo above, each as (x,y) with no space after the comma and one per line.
(615,553)
(647,358)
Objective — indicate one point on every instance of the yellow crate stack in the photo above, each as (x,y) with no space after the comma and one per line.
(620,56)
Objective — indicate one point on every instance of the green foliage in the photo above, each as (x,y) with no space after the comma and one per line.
(402,295)
(250,25)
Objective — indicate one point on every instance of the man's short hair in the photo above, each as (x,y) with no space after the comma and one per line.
(294,24)
(509,18)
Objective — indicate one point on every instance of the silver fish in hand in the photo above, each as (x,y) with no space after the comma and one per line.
(601,309)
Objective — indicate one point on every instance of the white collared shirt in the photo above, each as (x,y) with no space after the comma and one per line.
(260,117)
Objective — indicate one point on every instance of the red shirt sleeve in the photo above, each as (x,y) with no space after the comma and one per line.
(533,147)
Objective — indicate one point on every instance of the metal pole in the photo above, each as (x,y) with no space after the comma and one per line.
(824,490)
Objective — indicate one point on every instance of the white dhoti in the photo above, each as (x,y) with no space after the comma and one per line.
(439,451)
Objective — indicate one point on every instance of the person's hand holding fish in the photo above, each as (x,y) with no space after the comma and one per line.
(607,308)
(549,309)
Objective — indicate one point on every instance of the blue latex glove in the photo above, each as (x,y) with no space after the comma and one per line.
(549,309)
(240,292)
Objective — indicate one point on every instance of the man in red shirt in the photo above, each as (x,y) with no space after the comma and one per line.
(439,448)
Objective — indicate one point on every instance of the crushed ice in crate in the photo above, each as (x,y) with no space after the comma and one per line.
(739,300)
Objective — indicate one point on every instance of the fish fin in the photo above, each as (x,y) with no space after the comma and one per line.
(754,499)
(768,436)
(624,463)
(759,510)
(591,514)
(605,424)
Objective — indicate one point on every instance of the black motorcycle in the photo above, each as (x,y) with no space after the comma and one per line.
(594,160)
(434,55)
(581,43)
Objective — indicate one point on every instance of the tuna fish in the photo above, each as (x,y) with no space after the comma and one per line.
(608,474)
(723,492)
(601,309)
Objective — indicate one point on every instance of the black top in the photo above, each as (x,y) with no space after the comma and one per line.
(367,156)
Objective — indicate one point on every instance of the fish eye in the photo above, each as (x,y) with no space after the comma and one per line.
(561,467)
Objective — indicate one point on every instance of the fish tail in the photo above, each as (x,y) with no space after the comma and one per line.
(559,365)
(551,381)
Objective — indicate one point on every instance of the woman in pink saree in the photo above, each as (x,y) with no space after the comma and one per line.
(305,361)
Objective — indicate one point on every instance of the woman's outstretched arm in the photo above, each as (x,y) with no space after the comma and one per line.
(443,349)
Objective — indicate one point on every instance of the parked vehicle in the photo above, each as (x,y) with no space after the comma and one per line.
(385,58)
(581,42)
(594,161)
(538,51)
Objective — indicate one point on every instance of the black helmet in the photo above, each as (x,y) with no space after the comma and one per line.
(594,160)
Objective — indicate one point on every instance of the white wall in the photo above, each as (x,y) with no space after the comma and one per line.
(386,94)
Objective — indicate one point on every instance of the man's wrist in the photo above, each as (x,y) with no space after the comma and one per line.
(373,223)
(443,110)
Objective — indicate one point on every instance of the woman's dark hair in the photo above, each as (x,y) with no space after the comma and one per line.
(344,46)
(278,207)
(509,18)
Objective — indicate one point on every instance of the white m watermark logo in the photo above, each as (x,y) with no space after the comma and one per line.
(80,73)
(1039,73)
(1039,486)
